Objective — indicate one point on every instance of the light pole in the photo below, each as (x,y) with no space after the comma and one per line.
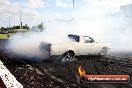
(73,3)
(9,22)
(20,19)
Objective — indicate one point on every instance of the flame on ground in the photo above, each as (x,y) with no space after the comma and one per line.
(81,71)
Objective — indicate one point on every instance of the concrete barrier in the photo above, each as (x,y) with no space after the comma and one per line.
(7,78)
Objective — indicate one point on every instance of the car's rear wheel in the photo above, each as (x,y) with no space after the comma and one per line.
(67,56)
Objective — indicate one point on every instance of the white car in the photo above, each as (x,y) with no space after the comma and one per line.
(82,45)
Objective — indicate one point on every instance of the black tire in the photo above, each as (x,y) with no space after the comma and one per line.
(67,56)
(103,51)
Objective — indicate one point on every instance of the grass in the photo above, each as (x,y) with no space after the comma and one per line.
(4,36)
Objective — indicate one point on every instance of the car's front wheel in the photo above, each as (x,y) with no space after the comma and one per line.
(67,56)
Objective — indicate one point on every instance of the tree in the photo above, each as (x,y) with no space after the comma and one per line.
(25,27)
(41,27)
(2,30)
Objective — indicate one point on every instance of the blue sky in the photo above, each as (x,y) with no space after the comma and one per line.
(35,11)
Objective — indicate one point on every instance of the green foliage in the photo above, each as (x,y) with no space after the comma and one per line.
(40,27)
(4,30)
(13,29)
(25,27)
(16,27)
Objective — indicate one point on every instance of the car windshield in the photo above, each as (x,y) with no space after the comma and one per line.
(74,37)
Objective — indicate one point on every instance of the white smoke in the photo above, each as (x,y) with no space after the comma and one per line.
(27,44)
(105,20)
